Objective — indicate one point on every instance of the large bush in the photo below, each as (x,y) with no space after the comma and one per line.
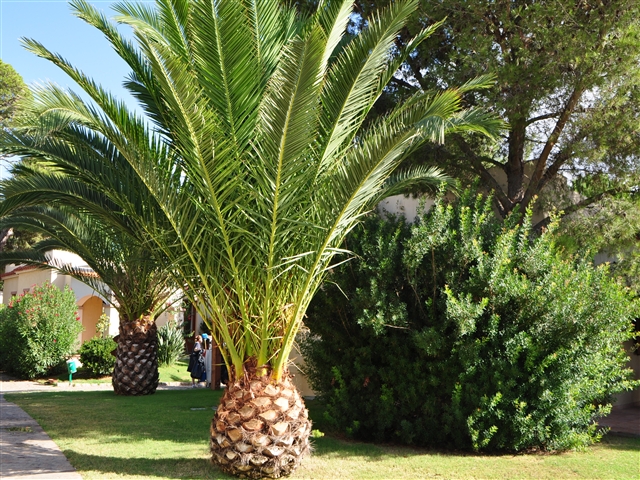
(38,330)
(171,345)
(97,357)
(466,332)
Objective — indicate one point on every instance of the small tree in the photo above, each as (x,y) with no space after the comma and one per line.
(38,331)
(97,357)
(171,344)
(96,354)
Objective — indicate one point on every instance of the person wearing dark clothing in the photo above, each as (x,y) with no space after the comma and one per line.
(196,362)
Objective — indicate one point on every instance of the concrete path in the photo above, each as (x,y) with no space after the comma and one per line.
(26,451)
(623,421)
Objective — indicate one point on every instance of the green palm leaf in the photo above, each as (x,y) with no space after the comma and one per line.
(258,162)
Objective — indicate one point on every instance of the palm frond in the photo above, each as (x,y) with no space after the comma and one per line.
(253,162)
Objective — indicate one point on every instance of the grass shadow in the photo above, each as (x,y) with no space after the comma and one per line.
(621,442)
(147,467)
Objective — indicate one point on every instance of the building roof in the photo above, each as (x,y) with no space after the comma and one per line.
(15,271)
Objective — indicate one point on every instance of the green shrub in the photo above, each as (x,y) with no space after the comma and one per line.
(171,345)
(467,332)
(96,356)
(38,330)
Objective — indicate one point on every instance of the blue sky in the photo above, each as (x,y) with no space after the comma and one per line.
(51,23)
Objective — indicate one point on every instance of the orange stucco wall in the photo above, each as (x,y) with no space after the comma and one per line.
(91,311)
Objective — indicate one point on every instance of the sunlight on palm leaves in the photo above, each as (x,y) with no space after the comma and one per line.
(253,163)
(257,163)
(118,267)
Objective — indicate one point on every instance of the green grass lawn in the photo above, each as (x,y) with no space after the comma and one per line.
(165,435)
(168,373)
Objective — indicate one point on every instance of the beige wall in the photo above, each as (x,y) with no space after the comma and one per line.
(297,369)
(10,285)
(23,281)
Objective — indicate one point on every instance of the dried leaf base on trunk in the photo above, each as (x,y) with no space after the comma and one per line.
(260,429)
(136,369)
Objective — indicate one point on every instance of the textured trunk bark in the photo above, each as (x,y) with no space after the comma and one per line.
(5,233)
(260,429)
(136,370)
(514,168)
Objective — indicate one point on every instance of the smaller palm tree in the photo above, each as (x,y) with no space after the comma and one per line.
(121,270)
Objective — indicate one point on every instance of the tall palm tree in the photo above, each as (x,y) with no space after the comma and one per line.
(268,165)
(122,270)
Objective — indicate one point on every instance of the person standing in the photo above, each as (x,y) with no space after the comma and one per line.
(196,362)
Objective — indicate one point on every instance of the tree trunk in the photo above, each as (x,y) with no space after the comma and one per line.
(5,233)
(136,370)
(260,429)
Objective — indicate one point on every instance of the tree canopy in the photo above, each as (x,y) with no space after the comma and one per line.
(568,74)
(257,162)
(12,89)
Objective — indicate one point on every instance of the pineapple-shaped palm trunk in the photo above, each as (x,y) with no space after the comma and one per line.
(136,369)
(261,428)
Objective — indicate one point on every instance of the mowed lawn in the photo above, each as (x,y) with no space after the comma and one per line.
(165,435)
(168,374)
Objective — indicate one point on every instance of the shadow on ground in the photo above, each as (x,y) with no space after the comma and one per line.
(147,467)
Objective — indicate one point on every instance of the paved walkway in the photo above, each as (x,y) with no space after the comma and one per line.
(623,421)
(26,451)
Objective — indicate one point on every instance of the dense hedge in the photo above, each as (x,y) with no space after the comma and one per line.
(97,357)
(38,330)
(466,332)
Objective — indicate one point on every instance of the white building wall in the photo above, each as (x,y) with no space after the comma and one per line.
(10,285)
(408,207)
(114,319)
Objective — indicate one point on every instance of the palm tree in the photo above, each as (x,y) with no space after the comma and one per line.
(268,165)
(122,270)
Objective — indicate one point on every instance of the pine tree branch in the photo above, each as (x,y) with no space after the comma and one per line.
(580,205)
(503,203)
(541,162)
(542,117)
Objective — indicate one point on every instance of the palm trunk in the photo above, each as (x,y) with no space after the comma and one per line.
(136,370)
(260,429)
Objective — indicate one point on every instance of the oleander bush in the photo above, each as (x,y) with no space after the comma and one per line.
(38,331)
(96,355)
(467,332)
(171,345)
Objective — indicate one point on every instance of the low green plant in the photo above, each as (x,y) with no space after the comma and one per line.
(38,331)
(468,332)
(97,357)
(171,345)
